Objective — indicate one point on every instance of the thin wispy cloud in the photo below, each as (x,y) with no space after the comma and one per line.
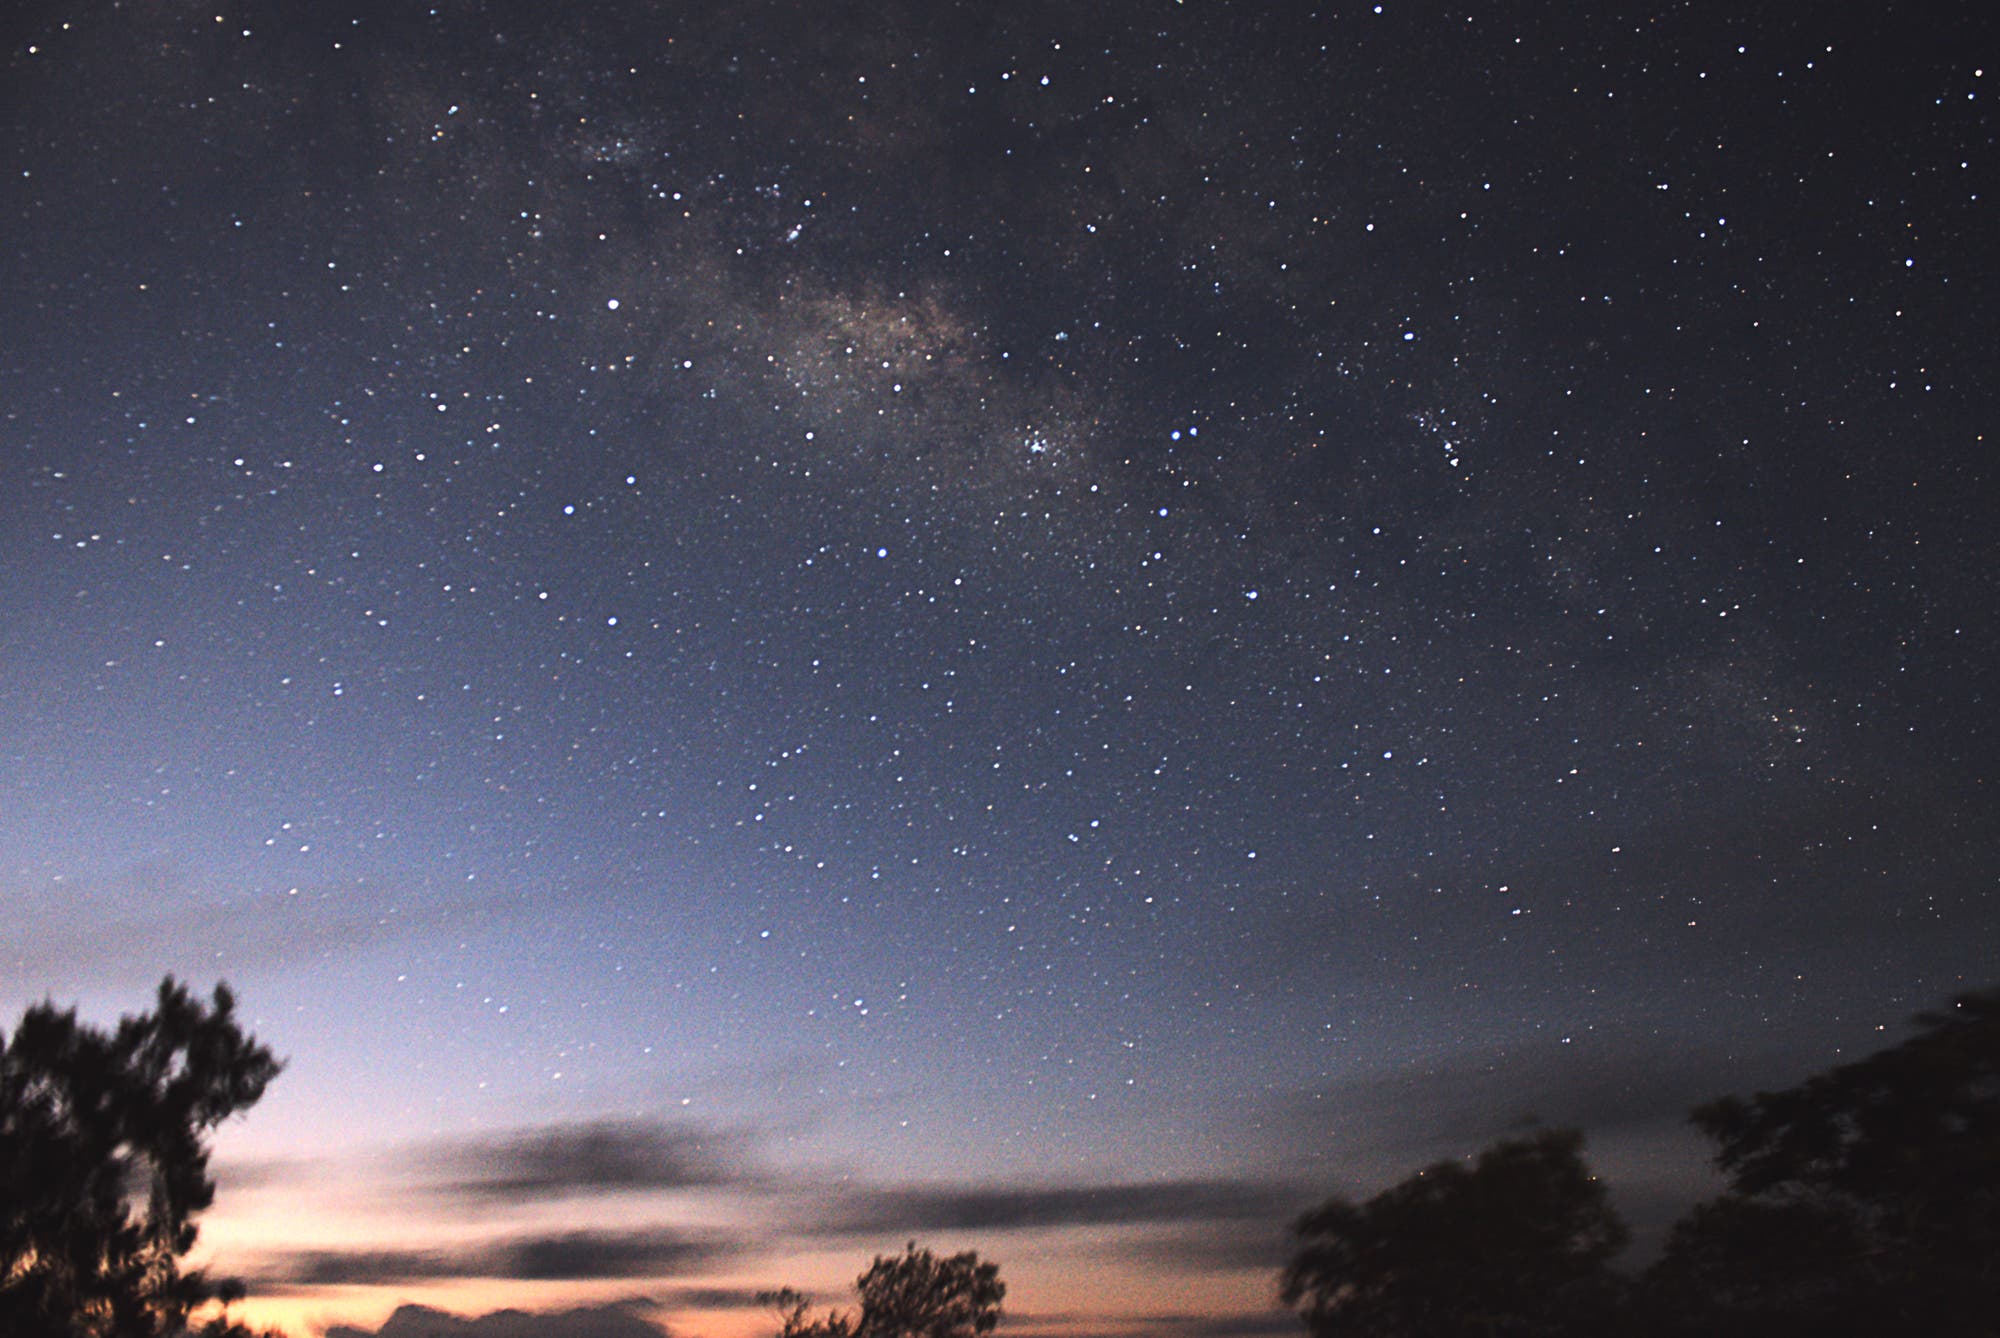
(536,1257)
(997,1208)
(597,1157)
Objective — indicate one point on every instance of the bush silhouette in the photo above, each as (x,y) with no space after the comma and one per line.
(915,1294)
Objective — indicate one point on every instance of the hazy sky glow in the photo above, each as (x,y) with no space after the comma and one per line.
(756,630)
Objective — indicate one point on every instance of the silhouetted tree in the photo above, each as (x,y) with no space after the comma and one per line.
(916,1294)
(1737,1267)
(1517,1243)
(1865,1200)
(104,1164)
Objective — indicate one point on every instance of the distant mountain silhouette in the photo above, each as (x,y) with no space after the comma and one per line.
(619,1319)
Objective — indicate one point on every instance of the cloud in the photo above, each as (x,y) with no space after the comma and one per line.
(1215,1247)
(595,1158)
(246,1174)
(341,1268)
(1397,1119)
(954,1208)
(91,926)
(592,1254)
(618,1319)
(549,1257)
(1202,1219)
(715,1298)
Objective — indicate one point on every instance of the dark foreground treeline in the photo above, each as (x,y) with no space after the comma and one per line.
(1863,1203)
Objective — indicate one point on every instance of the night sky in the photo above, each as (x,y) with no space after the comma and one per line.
(754,630)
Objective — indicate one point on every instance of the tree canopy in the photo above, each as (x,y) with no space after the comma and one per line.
(1863,1200)
(104,1155)
(1517,1242)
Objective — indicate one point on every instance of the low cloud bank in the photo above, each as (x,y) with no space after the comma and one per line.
(618,1319)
